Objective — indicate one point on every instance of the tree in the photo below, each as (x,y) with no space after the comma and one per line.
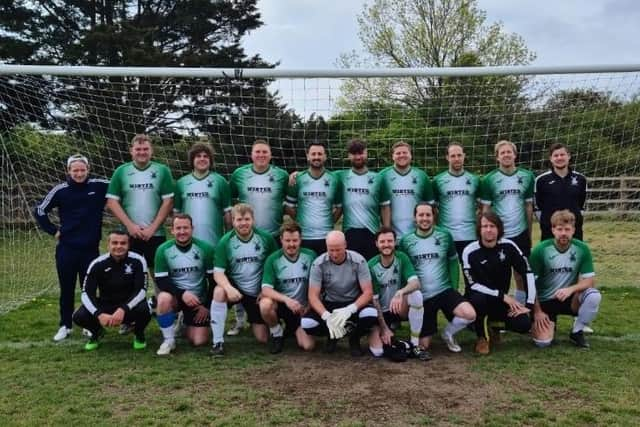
(189,33)
(425,33)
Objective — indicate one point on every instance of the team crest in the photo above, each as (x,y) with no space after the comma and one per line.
(573,257)
(395,269)
(370,180)
(437,241)
(305,267)
(128,269)
(468,182)
(271,178)
(154,175)
(257,247)
(520,180)
(209,183)
(501,255)
(196,255)
(326,182)
(414,180)
(574,180)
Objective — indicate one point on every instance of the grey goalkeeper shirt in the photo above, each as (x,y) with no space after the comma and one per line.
(339,282)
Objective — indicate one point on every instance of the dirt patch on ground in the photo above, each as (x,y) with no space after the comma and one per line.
(335,388)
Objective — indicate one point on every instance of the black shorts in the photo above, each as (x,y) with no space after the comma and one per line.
(446,301)
(319,246)
(361,240)
(250,305)
(553,307)
(147,248)
(291,320)
(189,314)
(523,241)
(392,319)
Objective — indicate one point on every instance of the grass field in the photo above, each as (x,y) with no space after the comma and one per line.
(52,384)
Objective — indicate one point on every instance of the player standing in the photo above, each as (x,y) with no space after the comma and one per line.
(559,188)
(140,195)
(404,186)
(80,202)
(363,206)
(508,191)
(456,192)
(314,199)
(204,196)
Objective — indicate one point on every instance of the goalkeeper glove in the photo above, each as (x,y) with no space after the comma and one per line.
(335,331)
(343,314)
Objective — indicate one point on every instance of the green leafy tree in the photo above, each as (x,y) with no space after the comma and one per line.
(425,33)
(190,33)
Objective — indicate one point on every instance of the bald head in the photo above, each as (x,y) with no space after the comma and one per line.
(336,246)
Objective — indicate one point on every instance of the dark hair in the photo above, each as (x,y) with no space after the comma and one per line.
(385,230)
(558,146)
(197,148)
(494,219)
(433,208)
(181,216)
(356,146)
(317,144)
(290,226)
(120,232)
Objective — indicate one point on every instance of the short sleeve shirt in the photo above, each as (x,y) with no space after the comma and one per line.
(340,282)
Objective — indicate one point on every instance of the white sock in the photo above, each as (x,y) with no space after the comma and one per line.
(416,315)
(376,352)
(588,309)
(218,317)
(276,331)
(168,333)
(456,325)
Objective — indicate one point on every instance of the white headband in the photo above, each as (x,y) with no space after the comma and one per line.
(77,158)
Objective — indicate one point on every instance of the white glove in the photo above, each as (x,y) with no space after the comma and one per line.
(335,331)
(343,314)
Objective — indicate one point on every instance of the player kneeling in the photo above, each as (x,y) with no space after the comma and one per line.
(114,292)
(183,273)
(565,282)
(285,281)
(390,270)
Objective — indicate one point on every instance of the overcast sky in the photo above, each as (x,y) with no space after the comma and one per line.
(312,33)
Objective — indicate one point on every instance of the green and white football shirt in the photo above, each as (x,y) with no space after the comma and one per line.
(435,260)
(314,199)
(555,270)
(388,279)
(507,195)
(361,199)
(141,191)
(290,278)
(188,267)
(206,199)
(242,261)
(404,191)
(457,197)
(265,192)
